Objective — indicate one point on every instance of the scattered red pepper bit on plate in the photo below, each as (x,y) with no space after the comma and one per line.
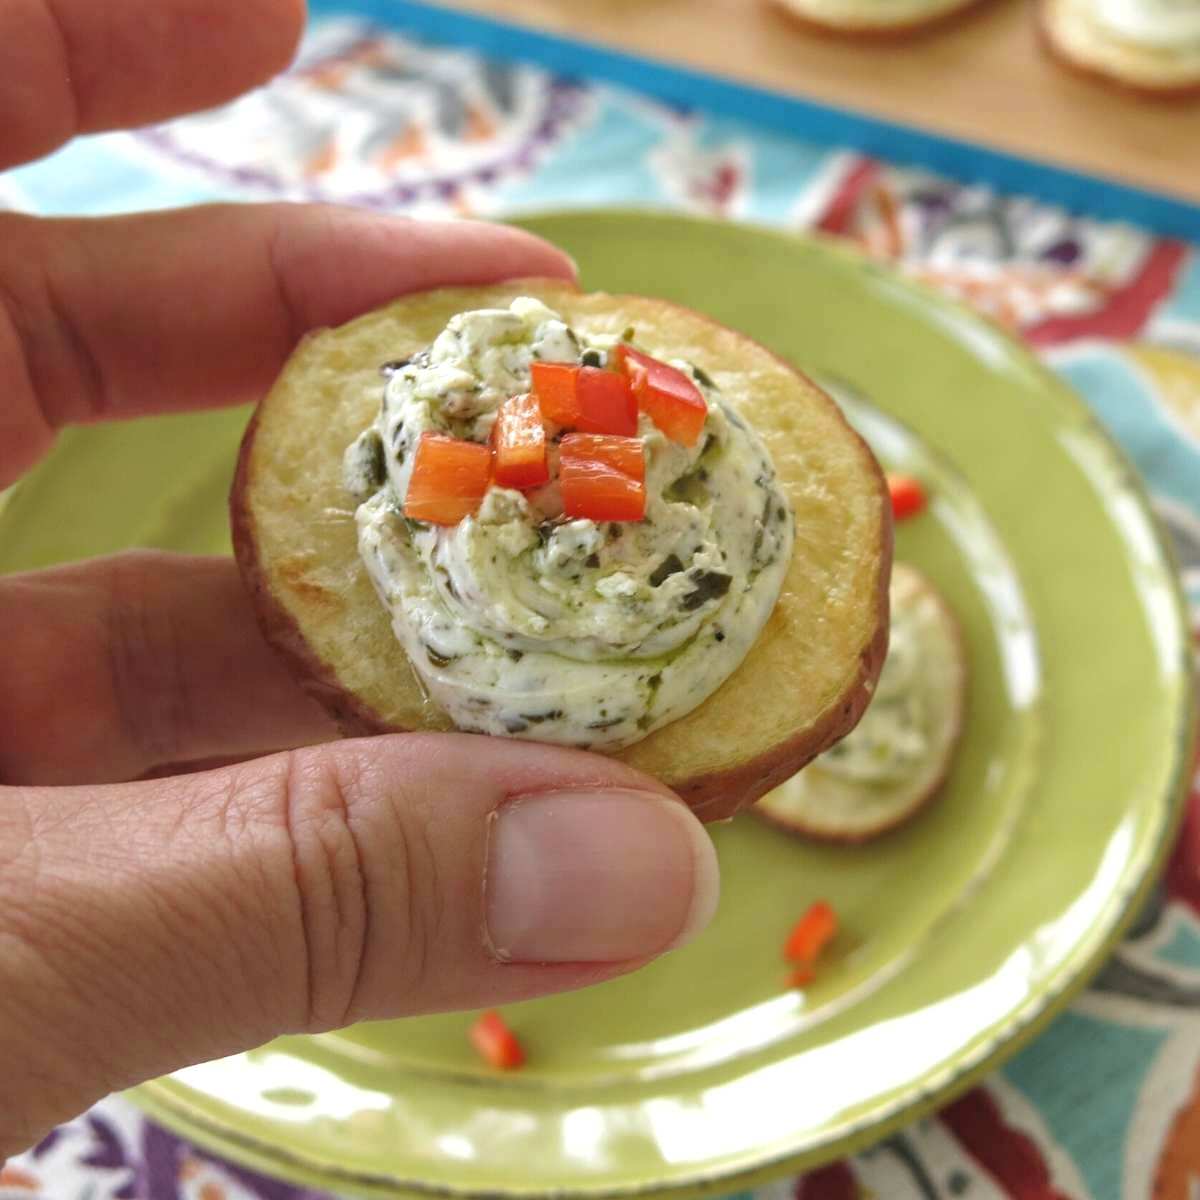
(800,977)
(519,443)
(602,477)
(908,496)
(671,400)
(449,479)
(496,1043)
(811,934)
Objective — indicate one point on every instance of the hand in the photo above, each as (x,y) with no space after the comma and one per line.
(146,925)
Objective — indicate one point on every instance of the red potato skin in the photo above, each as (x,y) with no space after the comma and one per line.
(1174,94)
(719,796)
(713,796)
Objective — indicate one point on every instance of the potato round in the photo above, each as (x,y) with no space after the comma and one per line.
(820,804)
(1073,36)
(805,681)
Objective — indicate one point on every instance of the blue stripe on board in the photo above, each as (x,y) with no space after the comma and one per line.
(1085,194)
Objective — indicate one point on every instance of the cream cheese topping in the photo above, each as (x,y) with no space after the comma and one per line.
(522,622)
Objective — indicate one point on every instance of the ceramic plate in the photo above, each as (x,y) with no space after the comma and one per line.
(962,933)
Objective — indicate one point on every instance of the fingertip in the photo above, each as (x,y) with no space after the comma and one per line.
(553,261)
(142,61)
(706,879)
(504,251)
(268,34)
(596,874)
(336,262)
(284,22)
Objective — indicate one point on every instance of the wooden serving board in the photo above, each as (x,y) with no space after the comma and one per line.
(982,78)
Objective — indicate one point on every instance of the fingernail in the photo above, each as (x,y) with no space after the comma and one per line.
(596,877)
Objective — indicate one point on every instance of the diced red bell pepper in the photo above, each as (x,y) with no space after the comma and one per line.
(673,402)
(602,477)
(519,444)
(606,403)
(496,1043)
(449,479)
(908,496)
(811,934)
(586,398)
(554,386)
(624,455)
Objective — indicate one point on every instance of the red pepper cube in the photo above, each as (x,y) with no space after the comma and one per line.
(586,398)
(496,1043)
(672,401)
(908,496)
(606,403)
(519,444)
(602,477)
(449,479)
(623,454)
(554,386)
(810,934)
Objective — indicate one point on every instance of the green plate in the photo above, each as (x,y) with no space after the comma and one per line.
(962,933)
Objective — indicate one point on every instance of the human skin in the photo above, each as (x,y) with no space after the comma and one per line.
(152,917)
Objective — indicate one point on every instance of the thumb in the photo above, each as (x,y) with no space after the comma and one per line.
(174,921)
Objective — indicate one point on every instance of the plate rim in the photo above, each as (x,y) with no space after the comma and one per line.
(159,1100)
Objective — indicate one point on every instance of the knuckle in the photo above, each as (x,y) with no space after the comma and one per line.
(367,891)
(63,377)
(145,661)
(330,885)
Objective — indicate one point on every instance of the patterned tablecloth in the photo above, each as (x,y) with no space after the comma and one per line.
(1105,1105)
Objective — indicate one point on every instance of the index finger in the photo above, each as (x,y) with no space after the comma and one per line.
(122,316)
(78,66)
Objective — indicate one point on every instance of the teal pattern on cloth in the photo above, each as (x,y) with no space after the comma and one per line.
(1123,399)
(1183,949)
(1087,1111)
(1088,1108)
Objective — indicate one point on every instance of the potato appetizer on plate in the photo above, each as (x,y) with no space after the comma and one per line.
(596,520)
(1149,46)
(895,760)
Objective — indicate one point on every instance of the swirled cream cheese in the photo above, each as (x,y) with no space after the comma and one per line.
(522,622)
(1157,24)
(889,743)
